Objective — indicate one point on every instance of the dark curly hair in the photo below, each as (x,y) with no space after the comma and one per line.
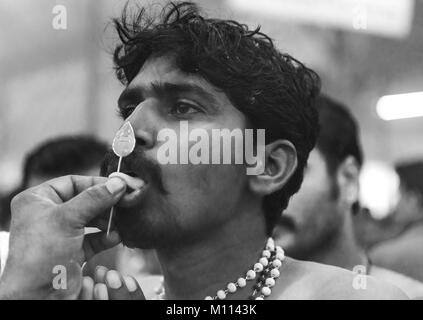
(339,135)
(275,91)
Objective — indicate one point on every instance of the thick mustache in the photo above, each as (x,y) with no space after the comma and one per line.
(137,163)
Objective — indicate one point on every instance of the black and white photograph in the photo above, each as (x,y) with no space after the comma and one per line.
(211,150)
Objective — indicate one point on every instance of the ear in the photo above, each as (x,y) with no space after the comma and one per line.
(347,178)
(280,164)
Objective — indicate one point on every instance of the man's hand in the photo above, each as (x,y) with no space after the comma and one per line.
(47,242)
(110,285)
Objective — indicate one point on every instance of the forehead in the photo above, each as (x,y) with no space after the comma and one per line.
(163,69)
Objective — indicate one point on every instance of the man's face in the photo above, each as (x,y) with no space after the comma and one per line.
(312,217)
(181,201)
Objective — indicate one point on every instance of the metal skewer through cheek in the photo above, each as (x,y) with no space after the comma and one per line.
(109,225)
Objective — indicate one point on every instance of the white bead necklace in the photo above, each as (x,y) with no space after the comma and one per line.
(268,266)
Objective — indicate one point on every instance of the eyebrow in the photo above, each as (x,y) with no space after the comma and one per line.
(166,88)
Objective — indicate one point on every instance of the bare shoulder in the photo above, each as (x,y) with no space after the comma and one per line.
(314,281)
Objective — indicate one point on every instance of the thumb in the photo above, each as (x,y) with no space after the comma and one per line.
(90,203)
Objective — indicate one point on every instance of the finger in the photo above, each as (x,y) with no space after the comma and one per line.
(118,290)
(100,274)
(99,241)
(115,288)
(135,187)
(133,288)
(64,188)
(87,290)
(93,202)
(132,182)
(100,292)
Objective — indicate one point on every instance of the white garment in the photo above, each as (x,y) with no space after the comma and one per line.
(4,249)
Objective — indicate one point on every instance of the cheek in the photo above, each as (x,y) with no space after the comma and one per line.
(193,182)
(200,192)
(307,205)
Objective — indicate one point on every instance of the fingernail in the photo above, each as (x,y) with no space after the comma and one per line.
(100,290)
(130,284)
(115,185)
(87,282)
(113,279)
(134,183)
(100,273)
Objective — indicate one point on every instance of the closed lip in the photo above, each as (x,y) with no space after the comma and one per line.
(133,198)
(136,189)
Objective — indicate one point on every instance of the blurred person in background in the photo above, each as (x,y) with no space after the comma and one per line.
(80,155)
(370,231)
(404,252)
(317,225)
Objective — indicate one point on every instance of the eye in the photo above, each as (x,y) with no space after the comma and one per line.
(185,108)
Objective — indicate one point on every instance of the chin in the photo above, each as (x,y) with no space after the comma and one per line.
(136,239)
(144,229)
(133,227)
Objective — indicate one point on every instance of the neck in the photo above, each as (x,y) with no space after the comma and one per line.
(206,265)
(342,251)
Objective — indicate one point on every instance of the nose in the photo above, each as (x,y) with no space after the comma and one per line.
(142,120)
